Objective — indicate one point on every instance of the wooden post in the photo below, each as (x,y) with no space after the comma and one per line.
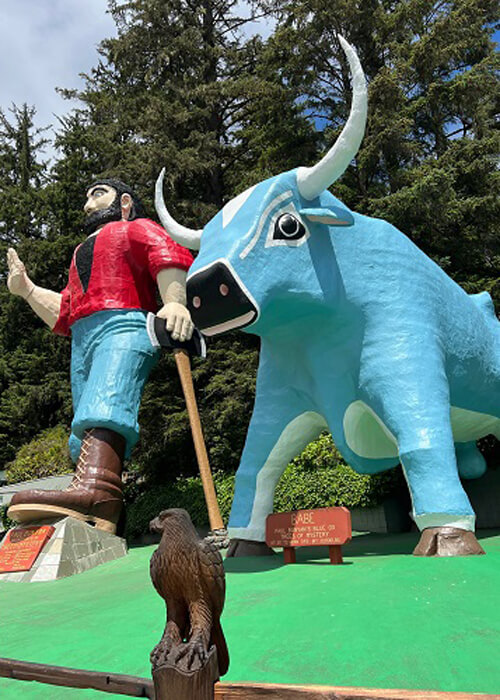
(335,552)
(172,684)
(289,555)
(184,369)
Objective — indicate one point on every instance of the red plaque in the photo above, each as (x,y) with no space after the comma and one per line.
(21,547)
(305,528)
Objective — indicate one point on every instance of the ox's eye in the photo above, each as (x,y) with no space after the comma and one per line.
(288,227)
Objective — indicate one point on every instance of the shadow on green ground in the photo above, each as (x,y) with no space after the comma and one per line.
(361,545)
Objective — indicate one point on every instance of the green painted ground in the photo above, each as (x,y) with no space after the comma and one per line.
(385,619)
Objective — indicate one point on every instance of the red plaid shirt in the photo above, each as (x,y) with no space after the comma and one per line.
(122,269)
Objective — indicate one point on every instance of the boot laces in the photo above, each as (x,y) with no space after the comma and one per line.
(81,465)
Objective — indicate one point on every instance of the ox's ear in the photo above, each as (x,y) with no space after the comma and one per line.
(333,216)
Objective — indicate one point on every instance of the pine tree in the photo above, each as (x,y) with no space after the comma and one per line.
(183,86)
(34,386)
(22,175)
(428,160)
(180,86)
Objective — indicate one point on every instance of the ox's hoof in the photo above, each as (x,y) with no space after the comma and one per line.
(248,548)
(447,542)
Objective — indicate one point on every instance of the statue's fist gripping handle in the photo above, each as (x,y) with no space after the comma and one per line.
(18,281)
(160,336)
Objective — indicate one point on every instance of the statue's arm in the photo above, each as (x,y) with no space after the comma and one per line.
(44,302)
(172,286)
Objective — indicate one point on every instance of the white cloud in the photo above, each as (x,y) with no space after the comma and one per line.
(45,44)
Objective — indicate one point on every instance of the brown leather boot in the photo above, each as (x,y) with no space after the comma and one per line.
(95,493)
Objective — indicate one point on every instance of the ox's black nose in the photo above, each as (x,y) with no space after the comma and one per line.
(218,301)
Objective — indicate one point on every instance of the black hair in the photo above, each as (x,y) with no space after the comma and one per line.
(137,210)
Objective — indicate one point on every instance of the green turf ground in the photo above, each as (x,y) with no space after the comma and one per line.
(385,619)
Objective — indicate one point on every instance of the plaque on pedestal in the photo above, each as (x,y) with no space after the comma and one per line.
(21,547)
(73,547)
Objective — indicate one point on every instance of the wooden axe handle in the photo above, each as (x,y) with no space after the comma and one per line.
(184,368)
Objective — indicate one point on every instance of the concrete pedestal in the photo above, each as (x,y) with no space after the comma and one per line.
(390,516)
(73,548)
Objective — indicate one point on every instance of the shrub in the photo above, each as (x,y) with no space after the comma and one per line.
(301,488)
(6,522)
(182,493)
(46,455)
(317,478)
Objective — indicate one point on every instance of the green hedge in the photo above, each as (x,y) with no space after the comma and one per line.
(317,478)
(184,493)
(46,455)
(4,520)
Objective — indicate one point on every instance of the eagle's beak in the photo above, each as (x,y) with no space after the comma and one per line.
(156,526)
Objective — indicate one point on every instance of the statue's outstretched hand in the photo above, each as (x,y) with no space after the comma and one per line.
(178,318)
(18,281)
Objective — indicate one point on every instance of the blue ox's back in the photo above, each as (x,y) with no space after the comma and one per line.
(361,332)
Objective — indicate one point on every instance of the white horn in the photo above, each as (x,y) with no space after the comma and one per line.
(312,181)
(187,237)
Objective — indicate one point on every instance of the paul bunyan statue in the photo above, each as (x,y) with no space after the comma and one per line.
(112,285)
(360,332)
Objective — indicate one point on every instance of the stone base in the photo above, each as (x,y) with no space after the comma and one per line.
(390,516)
(74,547)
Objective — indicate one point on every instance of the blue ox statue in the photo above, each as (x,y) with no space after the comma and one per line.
(360,332)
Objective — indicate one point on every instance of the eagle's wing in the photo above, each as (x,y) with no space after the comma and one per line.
(168,561)
(212,572)
(157,567)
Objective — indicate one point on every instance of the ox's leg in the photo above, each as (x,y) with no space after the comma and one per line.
(280,428)
(270,446)
(414,405)
(441,507)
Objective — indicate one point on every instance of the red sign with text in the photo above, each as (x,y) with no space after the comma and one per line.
(304,528)
(21,547)
(310,528)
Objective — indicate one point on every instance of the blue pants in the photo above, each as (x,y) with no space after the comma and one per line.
(111,358)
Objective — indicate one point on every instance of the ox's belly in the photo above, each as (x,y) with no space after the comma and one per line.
(469,425)
(368,436)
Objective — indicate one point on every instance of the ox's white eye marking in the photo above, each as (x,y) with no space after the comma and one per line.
(262,220)
(287,228)
(233,207)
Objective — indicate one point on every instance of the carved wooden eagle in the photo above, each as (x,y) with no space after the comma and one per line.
(189,575)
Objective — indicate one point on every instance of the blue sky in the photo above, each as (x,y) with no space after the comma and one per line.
(45,44)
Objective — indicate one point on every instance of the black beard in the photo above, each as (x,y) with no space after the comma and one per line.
(102,216)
